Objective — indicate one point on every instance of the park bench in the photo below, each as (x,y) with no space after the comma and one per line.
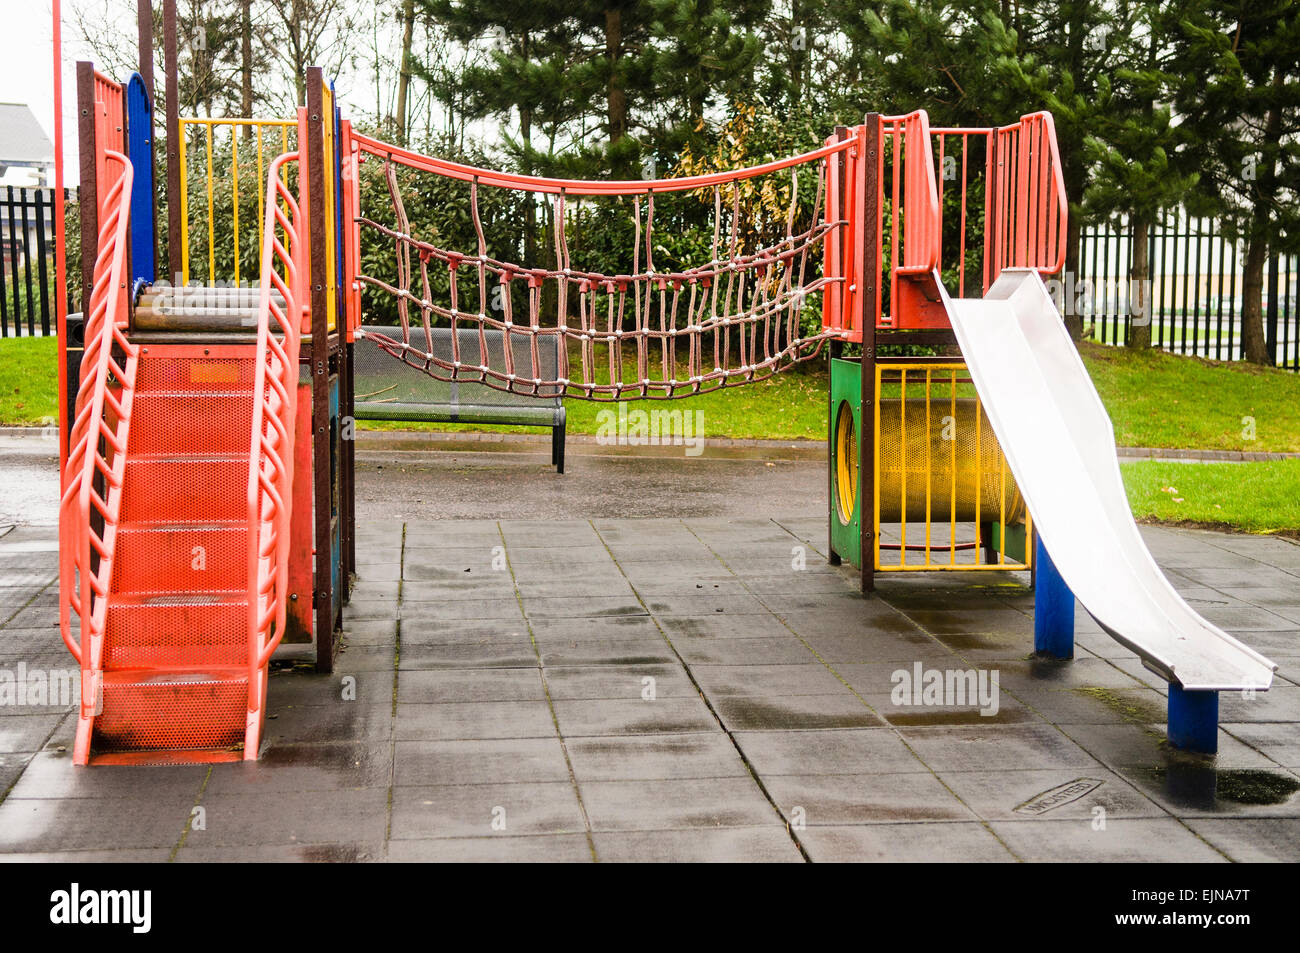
(388,389)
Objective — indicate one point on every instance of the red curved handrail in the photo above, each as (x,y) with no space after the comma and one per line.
(102,418)
(533,183)
(270,464)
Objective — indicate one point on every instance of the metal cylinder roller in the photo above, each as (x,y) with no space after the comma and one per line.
(959,454)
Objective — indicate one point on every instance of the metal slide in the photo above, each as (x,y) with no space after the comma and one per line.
(1060,445)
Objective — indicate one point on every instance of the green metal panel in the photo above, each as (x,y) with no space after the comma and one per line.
(846,392)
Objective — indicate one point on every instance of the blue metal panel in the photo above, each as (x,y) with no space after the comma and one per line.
(1053,608)
(1193,720)
(139,147)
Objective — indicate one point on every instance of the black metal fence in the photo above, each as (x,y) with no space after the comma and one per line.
(1196,290)
(27,259)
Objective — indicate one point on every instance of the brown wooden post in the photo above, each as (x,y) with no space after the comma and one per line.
(144,24)
(88,192)
(174,145)
(322,462)
(868,271)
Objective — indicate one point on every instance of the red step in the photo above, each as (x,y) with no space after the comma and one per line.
(184,557)
(176,630)
(178,488)
(178,710)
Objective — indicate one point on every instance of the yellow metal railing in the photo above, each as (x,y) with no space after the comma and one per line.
(266,139)
(963,457)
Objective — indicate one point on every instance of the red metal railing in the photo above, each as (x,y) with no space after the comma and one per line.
(109,132)
(270,466)
(941,193)
(1025,208)
(92,491)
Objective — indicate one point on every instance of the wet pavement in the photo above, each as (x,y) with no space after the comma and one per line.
(689,680)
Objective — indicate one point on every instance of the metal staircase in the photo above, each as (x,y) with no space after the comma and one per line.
(174,521)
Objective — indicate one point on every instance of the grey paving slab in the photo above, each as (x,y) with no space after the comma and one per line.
(632,716)
(821,799)
(662,680)
(753,712)
(368,719)
(514,652)
(1278,742)
(497,849)
(723,626)
(1252,840)
(736,845)
(52,774)
(809,678)
(293,852)
(676,804)
(577,606)
(1124,840)
(482,761)
(1056,793)
(472,810)
(474,720)
(345,816)
(833,751)
(998,747)
(292,769)
(470,685)
(30,825)
(918,842)
(655,757)
(786,650)
(651,650)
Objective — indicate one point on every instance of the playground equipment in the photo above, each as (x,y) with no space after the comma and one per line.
(207,480)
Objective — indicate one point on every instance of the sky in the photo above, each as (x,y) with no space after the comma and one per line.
(27,72)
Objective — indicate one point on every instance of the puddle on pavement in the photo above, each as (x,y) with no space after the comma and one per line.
(1201,785)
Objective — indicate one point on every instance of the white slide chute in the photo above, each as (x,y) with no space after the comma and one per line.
(1060,445)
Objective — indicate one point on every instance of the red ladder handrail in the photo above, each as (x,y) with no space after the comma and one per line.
(85,553)
(275,390)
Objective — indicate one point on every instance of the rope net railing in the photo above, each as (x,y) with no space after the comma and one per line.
(652,289)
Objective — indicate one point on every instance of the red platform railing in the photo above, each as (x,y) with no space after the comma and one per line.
(270,467)
(963,203)
(91,502)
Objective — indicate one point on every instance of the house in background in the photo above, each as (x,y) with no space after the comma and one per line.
(26,153)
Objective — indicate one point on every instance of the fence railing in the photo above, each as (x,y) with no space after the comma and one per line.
(1195,298)
(27,217)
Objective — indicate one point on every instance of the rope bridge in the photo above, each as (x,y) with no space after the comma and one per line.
(732,319)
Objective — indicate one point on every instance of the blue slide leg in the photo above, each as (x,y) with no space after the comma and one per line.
(1193,720)
(1053,608)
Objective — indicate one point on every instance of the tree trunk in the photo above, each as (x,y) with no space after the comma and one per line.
(404,73)
(246,64)
(1253,347)
(1139,301)
(615,94)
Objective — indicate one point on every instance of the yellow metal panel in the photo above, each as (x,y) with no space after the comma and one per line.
(928,438)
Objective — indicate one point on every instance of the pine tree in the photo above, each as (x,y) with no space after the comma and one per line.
(1140,160)
(1238,91)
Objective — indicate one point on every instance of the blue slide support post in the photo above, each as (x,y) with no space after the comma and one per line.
(1053,607)
(1193,720)
(139,148)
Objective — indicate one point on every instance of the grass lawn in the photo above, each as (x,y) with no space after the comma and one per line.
(1256,497)
(1154,400)
(1160,400)
(29,381)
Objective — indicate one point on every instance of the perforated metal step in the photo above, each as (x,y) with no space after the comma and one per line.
(172,710)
